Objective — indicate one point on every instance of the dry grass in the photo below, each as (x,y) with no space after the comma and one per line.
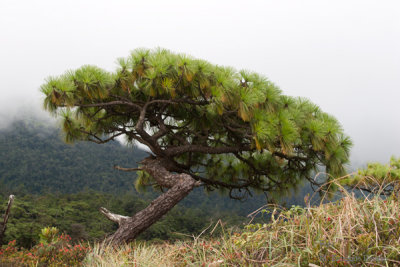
(348,232)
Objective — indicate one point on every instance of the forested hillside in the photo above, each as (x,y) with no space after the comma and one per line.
(34,158)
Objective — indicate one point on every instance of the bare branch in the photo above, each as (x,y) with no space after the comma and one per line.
(126,169)
(120,219)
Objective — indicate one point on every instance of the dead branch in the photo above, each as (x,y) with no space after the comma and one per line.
(3,225)
(113,217)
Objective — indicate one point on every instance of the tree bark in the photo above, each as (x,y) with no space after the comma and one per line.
(3,225)
(179,186)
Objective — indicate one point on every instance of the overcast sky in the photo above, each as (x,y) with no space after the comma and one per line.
(342,55)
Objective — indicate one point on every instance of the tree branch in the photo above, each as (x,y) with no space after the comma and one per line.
(160,170)
(111,103)
(120,219)
(126,169)
(99,140)
(177,150)
(215,182)
(258,171)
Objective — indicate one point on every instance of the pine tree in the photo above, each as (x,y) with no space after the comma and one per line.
(206,125)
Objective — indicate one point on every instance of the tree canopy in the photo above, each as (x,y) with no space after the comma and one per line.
(227,129)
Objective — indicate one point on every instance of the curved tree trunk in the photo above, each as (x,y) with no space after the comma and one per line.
(179,186)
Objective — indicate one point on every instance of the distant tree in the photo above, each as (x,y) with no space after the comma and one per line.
(205,125)
(377,178)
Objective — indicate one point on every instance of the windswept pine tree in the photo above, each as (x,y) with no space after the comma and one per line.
(206,125)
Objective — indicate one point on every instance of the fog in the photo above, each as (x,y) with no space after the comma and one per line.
(342,55)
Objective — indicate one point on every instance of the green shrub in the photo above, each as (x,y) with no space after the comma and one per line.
(55,250)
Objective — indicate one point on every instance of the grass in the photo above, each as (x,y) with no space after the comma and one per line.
(348,232)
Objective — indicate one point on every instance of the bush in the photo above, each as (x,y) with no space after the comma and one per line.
(54,250)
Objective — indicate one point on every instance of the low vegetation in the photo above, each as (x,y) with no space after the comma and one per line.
(53,250)
(78,216)
(348,232)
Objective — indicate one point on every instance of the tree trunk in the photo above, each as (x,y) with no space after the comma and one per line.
(130,227)
(3,225)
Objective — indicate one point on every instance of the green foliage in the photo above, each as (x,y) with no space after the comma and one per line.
(144,180)
(48,235)
(203,105)
(58,252)
(32,213)
(377,178)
